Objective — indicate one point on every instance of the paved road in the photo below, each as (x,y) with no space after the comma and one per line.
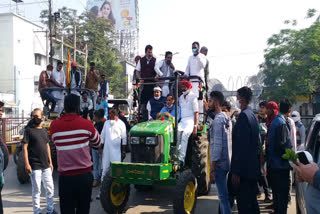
(17,198)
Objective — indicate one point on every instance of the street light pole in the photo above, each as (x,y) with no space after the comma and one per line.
(50,33)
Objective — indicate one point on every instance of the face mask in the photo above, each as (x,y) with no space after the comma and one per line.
(49,73)
(170,106)
(185,93)
(194,51)
(36,121)
(156,98)
(112,122)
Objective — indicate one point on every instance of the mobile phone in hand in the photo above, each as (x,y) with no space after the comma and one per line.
(303,158)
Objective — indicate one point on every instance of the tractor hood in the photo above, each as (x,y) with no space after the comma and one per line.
(151,128)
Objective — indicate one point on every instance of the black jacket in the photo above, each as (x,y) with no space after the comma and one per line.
(245,146)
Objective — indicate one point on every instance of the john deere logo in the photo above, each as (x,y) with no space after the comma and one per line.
(136,172)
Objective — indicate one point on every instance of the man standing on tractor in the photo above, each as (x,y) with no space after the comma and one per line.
(165,68)
(245,164)
(219,153)
(38,163)
(44,83)
(189,118)
(92,81)
(146,69)
(59,80)
(76,79)
(104,87)
(73,137)
(114,141)
(204,51)
(195,67)
(170,109)
(155,104)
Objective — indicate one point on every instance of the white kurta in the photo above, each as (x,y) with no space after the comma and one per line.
(189,106)
(195,67)
(112,136)
(60,77)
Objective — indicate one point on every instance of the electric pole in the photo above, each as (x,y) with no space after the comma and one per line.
(50,33)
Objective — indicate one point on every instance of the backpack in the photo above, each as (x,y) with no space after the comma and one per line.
(283,139)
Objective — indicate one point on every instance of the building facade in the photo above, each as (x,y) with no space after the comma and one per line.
(23,48)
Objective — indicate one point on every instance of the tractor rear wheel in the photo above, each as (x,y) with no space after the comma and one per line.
(113,195)
(22,175)
(186,193)
(201,163)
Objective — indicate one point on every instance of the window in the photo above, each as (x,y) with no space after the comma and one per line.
(37,59)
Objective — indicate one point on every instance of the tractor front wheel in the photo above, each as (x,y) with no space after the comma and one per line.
(186,193)
(113,195)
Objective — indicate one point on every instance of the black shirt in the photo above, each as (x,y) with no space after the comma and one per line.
(37,148)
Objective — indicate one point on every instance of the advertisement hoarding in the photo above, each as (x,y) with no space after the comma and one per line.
(122,13)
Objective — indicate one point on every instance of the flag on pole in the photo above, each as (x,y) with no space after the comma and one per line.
(68,71)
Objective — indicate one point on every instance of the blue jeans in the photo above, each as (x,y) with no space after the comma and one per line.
(44,175)
(221,182)
(96,164)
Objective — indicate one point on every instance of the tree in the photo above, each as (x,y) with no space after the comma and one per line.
(291,67)
(98,34)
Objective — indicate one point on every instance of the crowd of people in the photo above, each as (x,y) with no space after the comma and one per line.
(56,80)
(246,147)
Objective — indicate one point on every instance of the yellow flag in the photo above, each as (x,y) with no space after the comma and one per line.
(68,70)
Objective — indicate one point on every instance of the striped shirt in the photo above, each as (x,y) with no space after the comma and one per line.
(72,136)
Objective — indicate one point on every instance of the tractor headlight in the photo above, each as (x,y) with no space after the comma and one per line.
(151,140)
(134,140)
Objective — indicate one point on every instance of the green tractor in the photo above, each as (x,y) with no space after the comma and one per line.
(154,160)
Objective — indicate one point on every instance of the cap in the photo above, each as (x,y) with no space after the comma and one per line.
(74,64)
(157,88)
(295,115)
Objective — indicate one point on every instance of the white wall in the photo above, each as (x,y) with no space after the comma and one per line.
(6,55)
(18,44)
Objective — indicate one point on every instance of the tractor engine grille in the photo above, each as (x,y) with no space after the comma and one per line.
(143,153)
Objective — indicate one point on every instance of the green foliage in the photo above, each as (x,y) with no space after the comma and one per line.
(290,155)
(97,34)
(291,67)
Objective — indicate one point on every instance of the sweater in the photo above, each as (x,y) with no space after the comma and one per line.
(72,136)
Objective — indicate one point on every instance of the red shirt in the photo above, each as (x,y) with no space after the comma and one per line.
(72,136)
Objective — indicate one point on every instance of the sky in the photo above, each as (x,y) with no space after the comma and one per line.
(234,31)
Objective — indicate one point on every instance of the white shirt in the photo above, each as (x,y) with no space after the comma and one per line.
(189,105)
(293,136)
(86,104)
(196,65)
(60,77)
(158,66)
(138,67)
